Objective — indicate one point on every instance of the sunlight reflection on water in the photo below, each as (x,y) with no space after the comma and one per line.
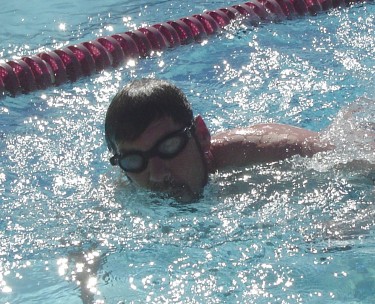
(298,230)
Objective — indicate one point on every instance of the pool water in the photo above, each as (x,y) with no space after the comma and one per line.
(297,231)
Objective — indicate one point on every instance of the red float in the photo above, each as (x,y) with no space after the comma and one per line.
(71,63)
(9,79)
(101,56)
(113,47)
(24,75)
(169,33)
(58,70)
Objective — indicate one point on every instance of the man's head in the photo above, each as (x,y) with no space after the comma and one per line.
(154,137)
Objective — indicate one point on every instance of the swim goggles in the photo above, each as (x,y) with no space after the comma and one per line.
(167,147)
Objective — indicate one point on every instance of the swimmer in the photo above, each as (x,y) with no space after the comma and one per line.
(155,139)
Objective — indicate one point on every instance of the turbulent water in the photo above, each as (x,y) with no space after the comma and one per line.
(73,230)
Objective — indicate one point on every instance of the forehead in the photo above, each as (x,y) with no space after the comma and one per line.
(156,130)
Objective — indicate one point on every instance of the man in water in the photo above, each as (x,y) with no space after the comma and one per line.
(161,146)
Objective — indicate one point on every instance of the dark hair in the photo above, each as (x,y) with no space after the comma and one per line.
(140,103)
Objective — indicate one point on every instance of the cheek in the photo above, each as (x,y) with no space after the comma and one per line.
(139,178)
(189,165)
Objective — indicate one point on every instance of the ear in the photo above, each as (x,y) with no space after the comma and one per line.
(202,133)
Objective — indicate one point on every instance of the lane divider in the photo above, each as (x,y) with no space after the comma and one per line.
(70,63)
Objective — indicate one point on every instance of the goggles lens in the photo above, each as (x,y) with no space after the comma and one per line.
(167,147)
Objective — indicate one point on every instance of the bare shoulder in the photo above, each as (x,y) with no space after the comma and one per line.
(263,143)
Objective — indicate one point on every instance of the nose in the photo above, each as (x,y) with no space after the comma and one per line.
(158,171)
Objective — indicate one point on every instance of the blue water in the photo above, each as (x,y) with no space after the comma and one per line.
(296,231)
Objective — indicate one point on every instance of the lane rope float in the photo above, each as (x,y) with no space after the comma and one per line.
(53,68)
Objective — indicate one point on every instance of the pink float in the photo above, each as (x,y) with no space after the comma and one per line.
(70,63)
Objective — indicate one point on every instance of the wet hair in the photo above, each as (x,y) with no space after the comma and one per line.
(140,103)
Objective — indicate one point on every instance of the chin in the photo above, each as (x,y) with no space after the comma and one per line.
(187,196)
(182,195)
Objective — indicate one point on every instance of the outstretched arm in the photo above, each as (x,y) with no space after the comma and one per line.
(264,143)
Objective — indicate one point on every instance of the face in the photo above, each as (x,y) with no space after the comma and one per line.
(182,176)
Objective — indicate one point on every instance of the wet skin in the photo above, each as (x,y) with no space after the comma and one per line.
(183,176)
